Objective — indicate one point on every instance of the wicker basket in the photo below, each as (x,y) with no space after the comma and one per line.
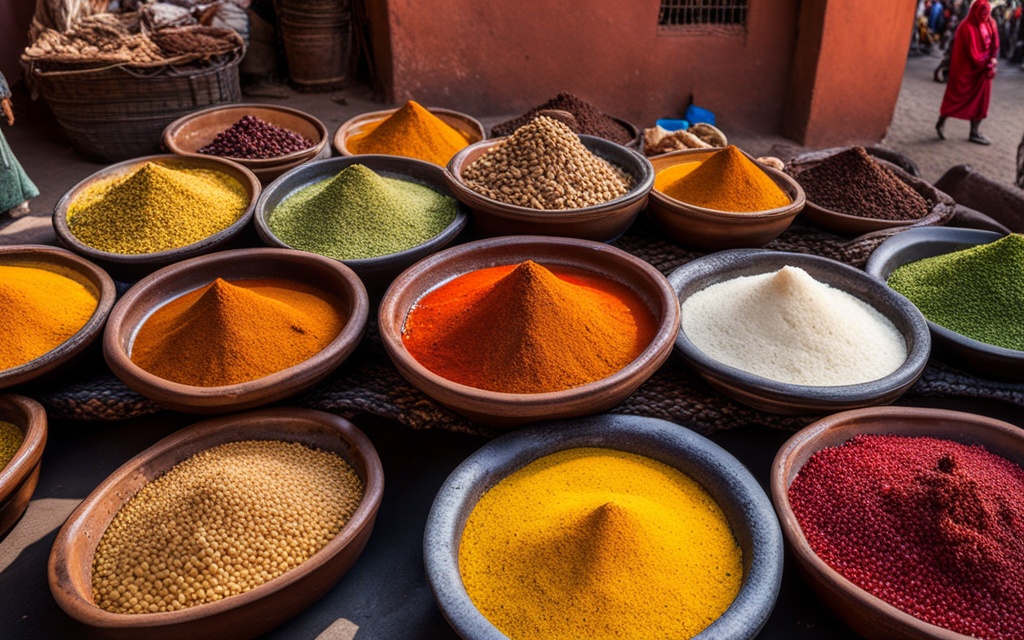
(119,112)
(317,37)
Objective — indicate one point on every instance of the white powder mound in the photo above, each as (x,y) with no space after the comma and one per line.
(789,327)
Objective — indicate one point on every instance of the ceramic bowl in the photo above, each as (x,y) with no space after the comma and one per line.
(509,409)
(67,264)
(377,273)
(711,230)
(869,616)
(19,476)
(467,125)
(780,397)
(186,135)
(134,265)
(731,485)
(949,346)
(247,614)
(601,222)
(159,288)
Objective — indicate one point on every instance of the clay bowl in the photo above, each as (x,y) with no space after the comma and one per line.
(247,614)
(601,222)
(866,614)
(731,485)
(509,409)
(711,230)
(949,346)
(186,135)
(152,292)
(779,397)
(467,125)
(19,476)
(78,269)
(377,273)
(135,265)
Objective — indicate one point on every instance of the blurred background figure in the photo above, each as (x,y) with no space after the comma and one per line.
(971,69)
(16,189)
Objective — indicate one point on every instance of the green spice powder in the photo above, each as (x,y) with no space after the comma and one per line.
(359,214)
(10,441)
(977,292)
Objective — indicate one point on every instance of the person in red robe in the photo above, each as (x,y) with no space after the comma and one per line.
(971,69)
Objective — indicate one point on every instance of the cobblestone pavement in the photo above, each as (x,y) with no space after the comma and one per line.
(912,130)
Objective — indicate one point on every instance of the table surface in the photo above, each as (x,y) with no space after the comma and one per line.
(385,595)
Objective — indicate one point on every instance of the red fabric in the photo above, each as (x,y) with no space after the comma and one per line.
(969,86)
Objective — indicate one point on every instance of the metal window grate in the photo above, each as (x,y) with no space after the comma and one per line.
(685,13)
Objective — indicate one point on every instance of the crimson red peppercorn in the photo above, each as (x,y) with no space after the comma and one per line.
(252,138)
(933,527)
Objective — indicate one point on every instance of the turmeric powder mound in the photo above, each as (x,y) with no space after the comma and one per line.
(728,181)
(231,332)
(526,329)
(596,543)
(39,310)
(413,132)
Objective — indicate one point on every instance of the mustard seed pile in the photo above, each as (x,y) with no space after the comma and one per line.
(543,165)
(10,441)
(221,523)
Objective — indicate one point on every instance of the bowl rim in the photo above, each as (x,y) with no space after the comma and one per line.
(85,335)
(33,426)
(639,191)
(809,438)
(797,203)
(340,142)
(673,444)
(244,176)
(172,130)
(931,235)
(86,611)
(395,347)
(143,381)
(261,213)
(905,375)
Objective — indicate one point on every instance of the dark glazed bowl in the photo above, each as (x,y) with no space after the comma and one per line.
(377,273)
(745,504)
(247,614)
(81,271)
(19,476)
(152,292)
(866,614)
(949,346)
(509,409)
(134,265)
(780,397)
(467,125)
(601,222)
(712,230)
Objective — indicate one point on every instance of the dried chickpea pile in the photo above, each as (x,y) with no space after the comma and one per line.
(543,165)
(222,522)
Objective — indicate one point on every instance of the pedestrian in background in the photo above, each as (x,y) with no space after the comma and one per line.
(971,69)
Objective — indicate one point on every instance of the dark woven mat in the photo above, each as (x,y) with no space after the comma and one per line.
(368,384)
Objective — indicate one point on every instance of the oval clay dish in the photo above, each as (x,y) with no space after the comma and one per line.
(19,476)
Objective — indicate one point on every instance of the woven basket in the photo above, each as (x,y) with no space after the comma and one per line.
(118,112)
(317,36)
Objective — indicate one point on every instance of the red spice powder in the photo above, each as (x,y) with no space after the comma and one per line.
(933,527)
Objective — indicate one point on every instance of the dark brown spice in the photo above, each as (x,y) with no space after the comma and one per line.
(589,121)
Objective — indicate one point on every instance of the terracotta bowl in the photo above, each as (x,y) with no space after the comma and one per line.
(247,614)
(509,409)
(949,346)
(601,222)
(134,265)
(744,502)
(780,397)
(81,271)
(467,125)
(186,135)
(377,273)
(19,476)
(711,230)
(869,616)
(152,292)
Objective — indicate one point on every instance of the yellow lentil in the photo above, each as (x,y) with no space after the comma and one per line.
(596,543)
(10,441)
(220,523)
(156,208)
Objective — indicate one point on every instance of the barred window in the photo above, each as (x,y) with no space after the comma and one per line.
(699,13)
